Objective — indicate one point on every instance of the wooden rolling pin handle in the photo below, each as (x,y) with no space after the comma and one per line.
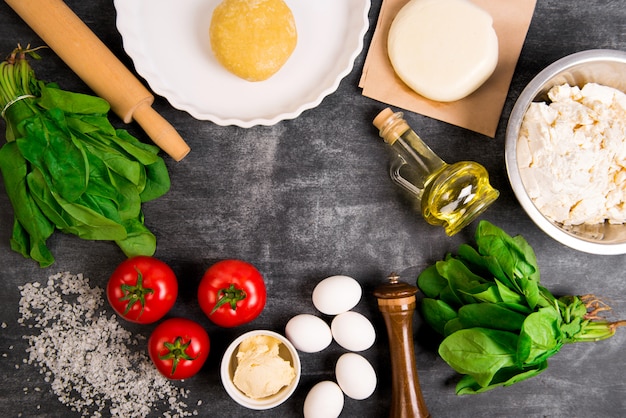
(396,301)
(99,68)
(161,132)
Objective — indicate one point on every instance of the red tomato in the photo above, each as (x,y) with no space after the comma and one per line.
(178,347)
(232,293)
(142,289)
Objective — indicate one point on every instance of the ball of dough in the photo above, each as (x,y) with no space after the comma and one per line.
(443,49)
(253,38)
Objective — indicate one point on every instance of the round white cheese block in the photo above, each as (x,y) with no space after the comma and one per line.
(443,49)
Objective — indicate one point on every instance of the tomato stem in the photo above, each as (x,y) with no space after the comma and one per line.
(230,295)
(135,293)
(176,352)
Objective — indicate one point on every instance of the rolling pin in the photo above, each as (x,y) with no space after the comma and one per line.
(396,302)
(95,64)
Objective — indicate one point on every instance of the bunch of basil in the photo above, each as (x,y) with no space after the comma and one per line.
(500,325)
(66,167)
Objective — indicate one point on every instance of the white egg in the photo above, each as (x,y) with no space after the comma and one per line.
(336,294)
(355,375)
(353,331)
(308,333)
(324,400)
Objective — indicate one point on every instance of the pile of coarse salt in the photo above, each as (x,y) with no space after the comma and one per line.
(87,357)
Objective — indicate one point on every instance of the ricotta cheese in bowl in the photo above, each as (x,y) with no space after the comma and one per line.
(566,151)
(572,154)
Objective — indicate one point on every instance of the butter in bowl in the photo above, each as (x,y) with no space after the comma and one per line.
(260,369)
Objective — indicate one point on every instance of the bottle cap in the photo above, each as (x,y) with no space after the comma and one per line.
(381,119)
(390,125)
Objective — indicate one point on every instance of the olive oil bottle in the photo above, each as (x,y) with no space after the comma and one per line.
(450,195)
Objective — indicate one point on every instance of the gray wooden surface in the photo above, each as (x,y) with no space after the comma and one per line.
(309,198)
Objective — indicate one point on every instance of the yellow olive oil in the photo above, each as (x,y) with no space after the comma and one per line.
(450,195)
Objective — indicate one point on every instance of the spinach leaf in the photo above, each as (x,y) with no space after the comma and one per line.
(51,97)
(49,147)
(460,279)
(431,283)
(479,352)
(67,168)
(509,295)
(139,239)
(88,223)
(157,181)
(500,325)
(437,314)
(482,264)
(514,256)
(540,337)
(31,228)
(486,292)
(490,315)
(452,326)
(504,377)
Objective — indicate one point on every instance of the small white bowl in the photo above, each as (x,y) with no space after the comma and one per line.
(229,364)
(602,66)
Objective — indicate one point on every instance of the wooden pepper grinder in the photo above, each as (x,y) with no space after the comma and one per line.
(396,301)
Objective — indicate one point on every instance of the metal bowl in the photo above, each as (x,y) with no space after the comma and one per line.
(602,66)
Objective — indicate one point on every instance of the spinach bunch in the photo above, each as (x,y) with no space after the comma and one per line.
(66,167)
(500,325)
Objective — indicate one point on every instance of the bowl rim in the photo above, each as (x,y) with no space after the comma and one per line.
(236,394)
(520,107)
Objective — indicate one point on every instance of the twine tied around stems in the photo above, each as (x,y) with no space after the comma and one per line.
(12,102)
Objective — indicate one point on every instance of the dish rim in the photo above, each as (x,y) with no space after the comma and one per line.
(137,55)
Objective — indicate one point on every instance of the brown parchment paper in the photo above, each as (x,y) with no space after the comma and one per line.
(481,110)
